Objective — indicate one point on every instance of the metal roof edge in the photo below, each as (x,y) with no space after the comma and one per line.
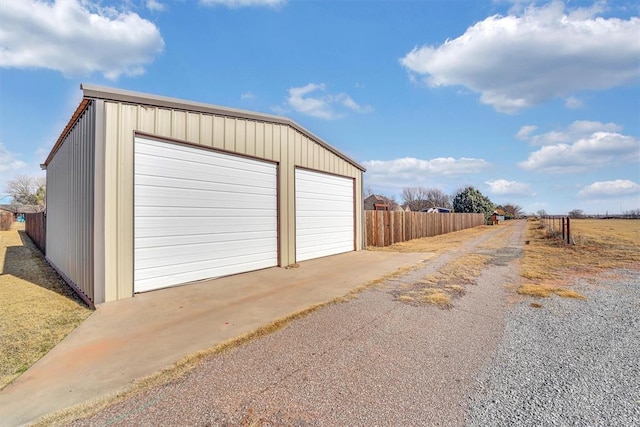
(72,121)
(121,95)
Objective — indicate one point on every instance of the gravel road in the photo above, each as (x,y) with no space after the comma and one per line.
(377,361)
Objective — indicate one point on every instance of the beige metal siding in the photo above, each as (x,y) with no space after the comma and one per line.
(70,181)
(272,141)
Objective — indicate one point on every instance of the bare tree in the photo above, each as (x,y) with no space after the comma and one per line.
(514,211)
(420,198)
(576,213)
(391,201)
(633,213)
(28,190)
(368,191)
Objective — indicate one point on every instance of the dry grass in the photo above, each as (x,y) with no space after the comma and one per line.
(599,245)
(38,308)
(436,244)
(545,291)
(449,282)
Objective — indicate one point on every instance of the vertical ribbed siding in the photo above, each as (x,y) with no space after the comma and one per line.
(70,179)
(271,141)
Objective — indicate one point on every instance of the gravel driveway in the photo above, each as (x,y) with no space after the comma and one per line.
(374,361)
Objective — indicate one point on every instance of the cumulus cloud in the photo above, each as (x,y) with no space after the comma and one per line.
(598,150)
(440,166)
(155,6)
(409,171)
(533,55)
(243,3)
(605,189)
(76,38)
(503,187)
(575,131)
(313,100)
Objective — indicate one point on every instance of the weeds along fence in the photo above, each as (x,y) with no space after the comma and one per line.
(36,228)
(560,226)
(384,228)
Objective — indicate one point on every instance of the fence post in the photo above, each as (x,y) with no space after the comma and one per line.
(568,232)
(563,228)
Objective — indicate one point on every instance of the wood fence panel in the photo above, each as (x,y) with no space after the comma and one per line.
(384,228)
(36,229)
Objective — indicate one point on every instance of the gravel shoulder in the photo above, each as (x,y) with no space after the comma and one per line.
(372,360)
(568,363)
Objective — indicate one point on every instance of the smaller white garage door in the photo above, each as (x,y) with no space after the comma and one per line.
(324,215)
(200,214)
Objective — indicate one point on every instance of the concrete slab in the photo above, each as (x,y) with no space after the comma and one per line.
(133,338)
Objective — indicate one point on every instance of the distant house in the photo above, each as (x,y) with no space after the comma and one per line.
(18,211)
(437,210)
(496,218)
(376,203)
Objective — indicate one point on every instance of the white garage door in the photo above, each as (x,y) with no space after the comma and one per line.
(324,215)
(200,214)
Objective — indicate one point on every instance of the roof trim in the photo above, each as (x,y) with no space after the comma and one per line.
(119,95)
(72,122)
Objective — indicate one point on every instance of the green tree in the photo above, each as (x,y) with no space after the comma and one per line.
(471,200)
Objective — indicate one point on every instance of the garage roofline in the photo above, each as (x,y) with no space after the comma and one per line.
(120,95)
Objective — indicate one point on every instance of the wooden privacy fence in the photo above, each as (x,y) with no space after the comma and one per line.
(36,228)
(6,219)
(384,228)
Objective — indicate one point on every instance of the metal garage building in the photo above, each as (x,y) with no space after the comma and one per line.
(146,192)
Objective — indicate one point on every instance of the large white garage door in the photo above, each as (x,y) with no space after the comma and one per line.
(324,215)
(200,214)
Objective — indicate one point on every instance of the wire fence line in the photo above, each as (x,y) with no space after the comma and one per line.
(560,226)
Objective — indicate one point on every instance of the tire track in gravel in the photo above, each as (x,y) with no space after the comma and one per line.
(368,361)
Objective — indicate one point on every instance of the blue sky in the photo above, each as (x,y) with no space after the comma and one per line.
(533,103)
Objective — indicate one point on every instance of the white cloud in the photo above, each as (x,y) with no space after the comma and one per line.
(605,189)
(598,150)
(243,3)
(247,95)
(313,101)
(573,103)
(439,165)
(155,6)
(532,56)
(575,131)
(509,188)
(8,160)
(525,132)
(76,38)
(409,171)
(10,166)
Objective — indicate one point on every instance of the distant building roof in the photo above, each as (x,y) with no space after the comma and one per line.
(373,200)
(16,209)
